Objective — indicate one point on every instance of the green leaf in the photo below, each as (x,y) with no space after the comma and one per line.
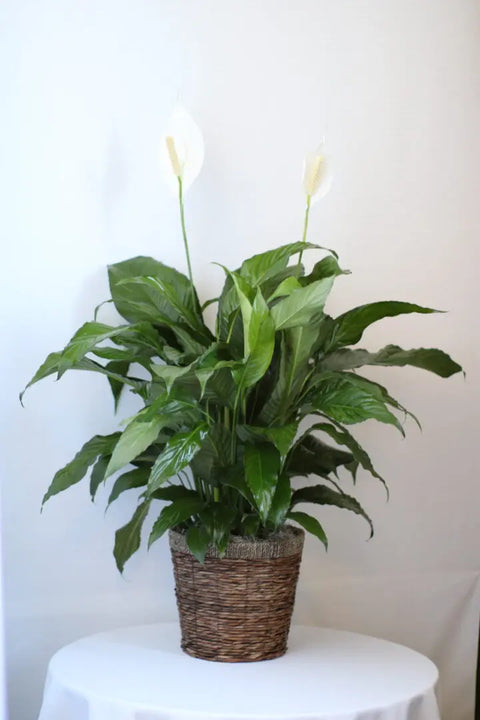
(128,537)
(250,525)
(323,495)
(286,287)
(217,385)
(145,341)
(431,359)
(118,367)
(328,267)
(312,456)
(48,367)
(350,399)
(75,470)
(262,467)
(210,462)
(207,366)
(263,266)
(175,514)
(177,454)
(234,477)
(341,436)
(198,541)
(348,328)
(98,474)
(243,291)
(52,365)
(136,437)
(261,343)
(296,349)
(282,436)
(132,479)
(174,301)
(85,339)
(303,306)
(137,302)
(169,373)
(280,502)
(218,519)
(310,524)
(175,492)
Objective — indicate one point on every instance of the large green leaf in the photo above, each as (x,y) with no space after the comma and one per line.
(244,290)
(118,367)
(227,306)
(262,467)
(260,268)
(146,290)
(85,339)
(340,435)
(303,306)
(234,477)
(115,354)
(191,341)
(296,349)
(76,469)
(348,328)
(431,359)
(323,495)
(286,287)
(350,399)
(312,456)
(219,519)
(328,267)
(51,365)
(128,481)
(214,456)
(136,437)
(280,502)
(174,302)
(310,524)
(170,493)
(261,343)
(145,340)
(177,454)
(98,474)
(48,367)
(128,537)
(173,515)
(169,373)
(281,436)
(198,540)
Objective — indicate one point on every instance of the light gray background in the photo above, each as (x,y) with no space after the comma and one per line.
(86,88)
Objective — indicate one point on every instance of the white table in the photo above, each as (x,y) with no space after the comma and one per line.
(140,673)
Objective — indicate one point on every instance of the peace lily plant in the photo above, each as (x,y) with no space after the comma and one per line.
(233,417)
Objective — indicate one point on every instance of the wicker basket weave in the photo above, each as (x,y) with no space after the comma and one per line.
(238,608)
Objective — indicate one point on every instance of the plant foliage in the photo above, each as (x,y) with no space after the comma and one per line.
(217,437)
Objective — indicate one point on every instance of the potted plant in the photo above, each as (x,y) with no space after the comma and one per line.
(232,417)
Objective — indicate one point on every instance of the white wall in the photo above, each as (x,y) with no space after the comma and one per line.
(394,84)
(3,689)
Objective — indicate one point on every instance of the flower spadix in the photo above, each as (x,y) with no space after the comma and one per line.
(181,150)
(317,179)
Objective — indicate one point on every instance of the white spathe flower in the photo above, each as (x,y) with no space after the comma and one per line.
(181,150)
(317,179)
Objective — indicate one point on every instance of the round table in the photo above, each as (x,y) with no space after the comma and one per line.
(140,673)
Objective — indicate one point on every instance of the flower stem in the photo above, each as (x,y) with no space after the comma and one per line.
(305,228)
(184,231)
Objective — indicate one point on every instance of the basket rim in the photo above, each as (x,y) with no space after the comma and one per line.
(288,540)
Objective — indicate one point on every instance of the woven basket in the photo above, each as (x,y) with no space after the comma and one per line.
(238,608)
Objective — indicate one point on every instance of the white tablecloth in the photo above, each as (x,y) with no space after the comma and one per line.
(140,673)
